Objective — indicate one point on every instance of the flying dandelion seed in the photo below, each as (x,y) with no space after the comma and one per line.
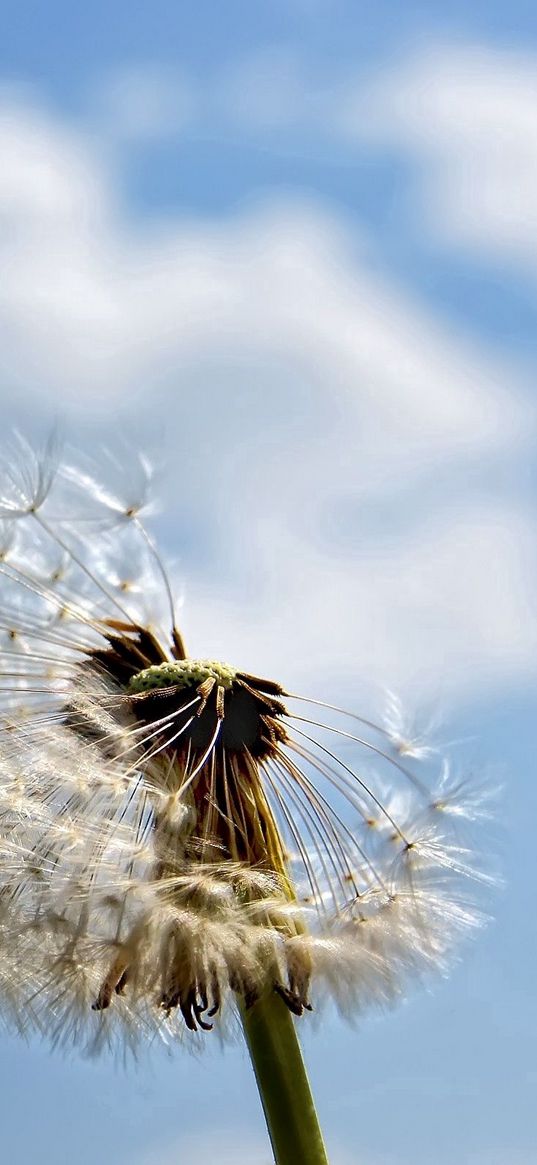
(179,836)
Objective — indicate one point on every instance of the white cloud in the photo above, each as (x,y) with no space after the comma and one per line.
(302,399)
(468,114)
(50,180)
(465,112)
(432,611)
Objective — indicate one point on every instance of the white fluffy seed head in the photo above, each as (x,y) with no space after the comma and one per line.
(149,876)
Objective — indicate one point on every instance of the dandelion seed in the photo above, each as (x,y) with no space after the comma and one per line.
(27,478)
(177,838)
(406,737)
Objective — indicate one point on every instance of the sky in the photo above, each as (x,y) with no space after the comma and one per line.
(290,249)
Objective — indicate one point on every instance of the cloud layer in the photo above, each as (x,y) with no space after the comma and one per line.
(466,113)
(332,447)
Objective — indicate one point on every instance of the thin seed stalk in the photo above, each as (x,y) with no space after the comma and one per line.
(283,1083)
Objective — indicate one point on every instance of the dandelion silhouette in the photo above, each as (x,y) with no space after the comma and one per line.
(179,843)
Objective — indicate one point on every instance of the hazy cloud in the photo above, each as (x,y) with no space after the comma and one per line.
(332,444)
(467,115)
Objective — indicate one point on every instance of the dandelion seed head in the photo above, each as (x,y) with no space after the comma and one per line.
(175,836)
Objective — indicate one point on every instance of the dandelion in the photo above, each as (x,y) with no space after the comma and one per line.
(184,843)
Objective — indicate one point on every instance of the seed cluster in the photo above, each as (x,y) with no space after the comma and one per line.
(183,673)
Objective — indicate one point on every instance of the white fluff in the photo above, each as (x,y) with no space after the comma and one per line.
(103,894)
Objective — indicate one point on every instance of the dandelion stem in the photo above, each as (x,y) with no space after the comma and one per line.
(283,1083)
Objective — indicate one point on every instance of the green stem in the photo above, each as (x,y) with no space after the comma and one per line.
(283,1083)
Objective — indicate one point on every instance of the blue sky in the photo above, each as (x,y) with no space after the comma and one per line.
(292,248)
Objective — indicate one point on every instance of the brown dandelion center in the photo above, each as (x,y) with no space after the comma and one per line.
(213,733)
(217,727)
